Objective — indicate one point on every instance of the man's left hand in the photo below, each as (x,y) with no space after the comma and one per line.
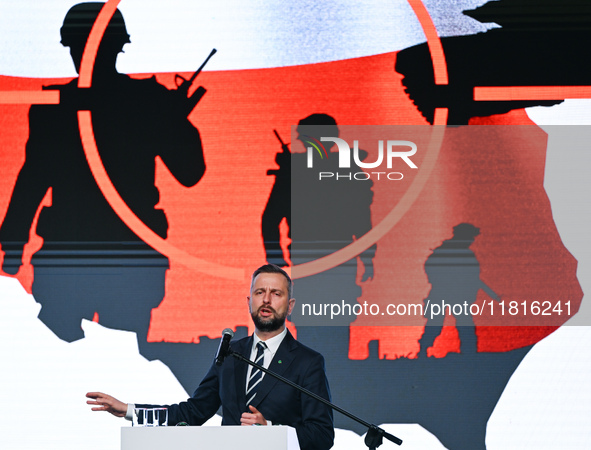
(252,418)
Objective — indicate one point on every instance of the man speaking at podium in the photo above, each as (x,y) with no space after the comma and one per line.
(246,395)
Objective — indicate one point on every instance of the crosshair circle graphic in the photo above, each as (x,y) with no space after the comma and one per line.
(299,271)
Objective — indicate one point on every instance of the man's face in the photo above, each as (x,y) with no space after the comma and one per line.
(269,301)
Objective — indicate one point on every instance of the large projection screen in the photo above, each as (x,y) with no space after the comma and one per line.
(399,157)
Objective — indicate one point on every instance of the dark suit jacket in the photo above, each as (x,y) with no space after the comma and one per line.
(277,401)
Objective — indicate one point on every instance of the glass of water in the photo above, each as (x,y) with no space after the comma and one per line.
(150,417)
(160,417)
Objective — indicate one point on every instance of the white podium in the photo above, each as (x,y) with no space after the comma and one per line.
(206,438)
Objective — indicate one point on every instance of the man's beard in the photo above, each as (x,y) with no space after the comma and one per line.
(267,325)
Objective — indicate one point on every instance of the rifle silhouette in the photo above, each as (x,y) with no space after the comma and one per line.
(183,86)
(281,157)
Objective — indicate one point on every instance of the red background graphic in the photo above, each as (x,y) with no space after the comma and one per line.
(499,189)
(491,174)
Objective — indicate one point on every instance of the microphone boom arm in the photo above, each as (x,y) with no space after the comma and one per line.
(373,439)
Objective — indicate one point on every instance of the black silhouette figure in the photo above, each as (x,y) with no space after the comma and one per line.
(324,215)
(278,207)
(90,261)
(541,43)
(454,274)
(302,185)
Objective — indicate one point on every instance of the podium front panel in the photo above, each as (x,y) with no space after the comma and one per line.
(208,438)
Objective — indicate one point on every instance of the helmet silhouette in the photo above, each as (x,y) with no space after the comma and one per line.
(466,231)
(318,125)
(80,19)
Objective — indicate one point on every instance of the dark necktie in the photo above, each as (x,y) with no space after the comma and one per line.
(256,375)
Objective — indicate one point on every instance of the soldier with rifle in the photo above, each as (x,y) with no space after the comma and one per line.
(329,224)
(91,265)
(278,206)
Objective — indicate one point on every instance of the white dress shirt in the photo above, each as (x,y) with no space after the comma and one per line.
(269,352)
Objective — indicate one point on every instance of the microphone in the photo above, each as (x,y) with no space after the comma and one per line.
(224,347)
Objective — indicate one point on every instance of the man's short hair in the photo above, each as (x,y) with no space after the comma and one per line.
(272,268)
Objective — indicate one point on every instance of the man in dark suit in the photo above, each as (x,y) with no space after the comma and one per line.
(246,395)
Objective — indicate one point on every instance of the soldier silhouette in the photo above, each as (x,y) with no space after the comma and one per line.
(90,262)
(303,186)
(278,208)
(454,274)
(323,216)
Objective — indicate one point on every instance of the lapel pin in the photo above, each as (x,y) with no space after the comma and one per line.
(279,362)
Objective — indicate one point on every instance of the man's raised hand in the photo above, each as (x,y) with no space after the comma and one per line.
(107,403)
